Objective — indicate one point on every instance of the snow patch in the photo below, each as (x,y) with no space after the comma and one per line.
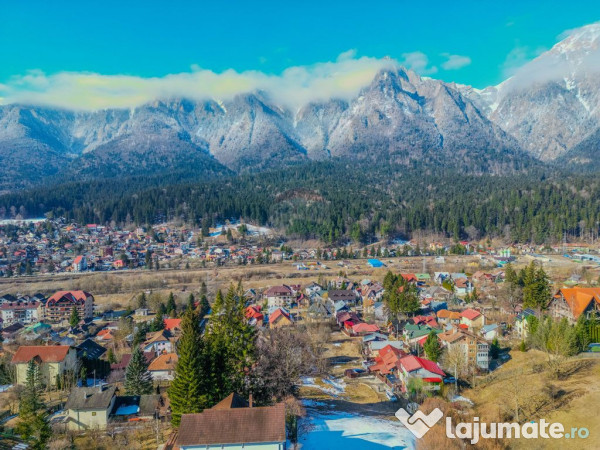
(354,432)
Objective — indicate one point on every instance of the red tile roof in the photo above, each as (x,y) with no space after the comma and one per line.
(46,353)
(73,296)
(470,314)
(171,324)
(412,363)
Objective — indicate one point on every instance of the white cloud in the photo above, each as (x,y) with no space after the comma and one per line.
(455,62)
(419,62)
(295,86)
(577,54)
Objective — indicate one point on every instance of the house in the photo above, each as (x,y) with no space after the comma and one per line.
(52,360)
(142,312)
(234,425)
(440,277)
(158,342)
(522,322)
(445,317)
(436,293)
(490,331)
(254,316)
(380,310)
(387,359)
(373,292)
(409,277)
(342,295)
(472,318)
(79,264)
(373,347)
(280,318)
(462,286)
(90,350)
(59,306)
(10,332)
(429,321)
(279,296)
(105,335)
(163,366)
(412,333)
(312,289)
(411,367)
(345,316)
(575,302)
(475,348)
(19,311)
(321,309)
(340,306)
(172,325)
(360,329)
(89,407)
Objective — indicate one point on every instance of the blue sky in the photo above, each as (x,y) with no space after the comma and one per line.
(475,42)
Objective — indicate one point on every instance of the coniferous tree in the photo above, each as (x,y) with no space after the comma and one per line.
(158,323)
(33,423)
(432,347)
(138,380)
(142,302)
(191,301)
(204,307)
(171,305)
(230,344)
(188,391)
(74,319)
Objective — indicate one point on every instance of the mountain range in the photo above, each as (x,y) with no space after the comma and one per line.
(547,112)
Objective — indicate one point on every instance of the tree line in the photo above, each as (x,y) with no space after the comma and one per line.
(335,201)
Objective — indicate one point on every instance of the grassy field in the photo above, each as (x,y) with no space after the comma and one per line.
(572,400)
(119,288)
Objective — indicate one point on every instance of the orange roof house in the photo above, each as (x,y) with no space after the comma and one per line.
(52,360)
(572,303)
(172,324)
(279,318)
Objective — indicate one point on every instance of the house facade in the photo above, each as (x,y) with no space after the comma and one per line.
(52,360)
(572,303)
(475,349)
(279,296)
(90,408)
(20,312)
(58,307)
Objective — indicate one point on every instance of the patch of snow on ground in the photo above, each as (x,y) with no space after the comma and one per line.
(354,432)
(460,398)
(337,385)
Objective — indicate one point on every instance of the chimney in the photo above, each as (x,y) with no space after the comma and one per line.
(250,401)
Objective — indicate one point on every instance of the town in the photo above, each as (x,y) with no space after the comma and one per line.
(329,335)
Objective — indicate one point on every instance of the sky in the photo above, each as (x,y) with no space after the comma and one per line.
(74,45)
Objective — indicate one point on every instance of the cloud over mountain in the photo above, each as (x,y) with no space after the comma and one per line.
(294,87)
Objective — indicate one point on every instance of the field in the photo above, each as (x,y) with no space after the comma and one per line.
(572,400)
(118,289)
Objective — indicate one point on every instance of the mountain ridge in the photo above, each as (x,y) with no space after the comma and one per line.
(547,115)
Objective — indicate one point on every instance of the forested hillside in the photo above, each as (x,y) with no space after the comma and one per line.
(335,200)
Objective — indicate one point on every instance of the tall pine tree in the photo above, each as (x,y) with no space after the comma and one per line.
(33,423)
(187,392)
(138,380)
(74,319)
